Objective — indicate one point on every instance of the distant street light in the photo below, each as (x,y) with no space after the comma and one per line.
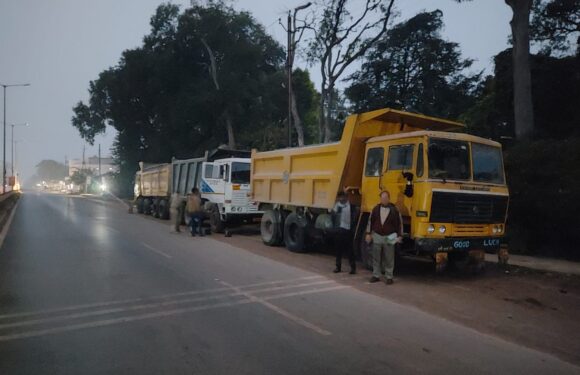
(12,149)
(4,132)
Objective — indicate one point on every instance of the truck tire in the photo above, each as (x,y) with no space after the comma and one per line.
(215,221)
(271,228)
(164,209)
(156,208)
(295,233)
(139,204)
(147,206)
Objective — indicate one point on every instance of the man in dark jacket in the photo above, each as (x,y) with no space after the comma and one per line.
(384,230)
(343,215)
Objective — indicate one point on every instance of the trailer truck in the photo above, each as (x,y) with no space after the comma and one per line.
(223,177)
(449,186)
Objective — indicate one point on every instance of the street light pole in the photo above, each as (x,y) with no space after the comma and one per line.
(12,148)
(4,132)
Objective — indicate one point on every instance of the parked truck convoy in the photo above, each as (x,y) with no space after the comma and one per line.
(223,177)
(449,186)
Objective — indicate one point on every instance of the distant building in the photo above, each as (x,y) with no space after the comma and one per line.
(92,164)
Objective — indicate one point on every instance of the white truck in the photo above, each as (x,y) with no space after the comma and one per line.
(222,176)
(225,189)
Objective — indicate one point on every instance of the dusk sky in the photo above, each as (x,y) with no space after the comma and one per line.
(59,46)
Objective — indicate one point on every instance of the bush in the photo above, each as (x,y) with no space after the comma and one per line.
(543,177)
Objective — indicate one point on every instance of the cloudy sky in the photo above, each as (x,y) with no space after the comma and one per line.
(58,46)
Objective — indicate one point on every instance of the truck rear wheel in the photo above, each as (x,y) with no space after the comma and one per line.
(147,206)
(271,228)
(295,228)
(139,204)
(366,253)
(163,209)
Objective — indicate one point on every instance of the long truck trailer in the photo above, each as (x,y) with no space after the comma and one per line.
(223,177)
(449,186)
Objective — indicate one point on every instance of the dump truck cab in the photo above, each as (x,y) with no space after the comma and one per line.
(449,187)
(225,188)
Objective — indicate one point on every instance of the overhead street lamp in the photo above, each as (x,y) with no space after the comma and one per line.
(4,86)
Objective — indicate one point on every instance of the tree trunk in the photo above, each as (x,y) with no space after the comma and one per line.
(230,129)
(297,121)
(523,105)
(328,118)
(321,116)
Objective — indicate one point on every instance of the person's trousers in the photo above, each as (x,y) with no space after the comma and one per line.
(195,221)
(383,257)
(175,216)
(343,244)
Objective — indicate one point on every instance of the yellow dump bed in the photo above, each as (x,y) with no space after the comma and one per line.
(311,176)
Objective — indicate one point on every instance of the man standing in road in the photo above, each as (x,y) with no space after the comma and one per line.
(195,212)
(174,212)
(384,230)
(343,214)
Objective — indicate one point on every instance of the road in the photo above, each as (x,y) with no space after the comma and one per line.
(86,288)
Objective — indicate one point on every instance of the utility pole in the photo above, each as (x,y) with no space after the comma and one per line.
(100,176)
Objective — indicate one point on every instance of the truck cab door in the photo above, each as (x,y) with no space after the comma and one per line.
(212,181)
(399,173)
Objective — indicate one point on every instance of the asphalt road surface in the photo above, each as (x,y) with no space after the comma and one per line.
(86,288)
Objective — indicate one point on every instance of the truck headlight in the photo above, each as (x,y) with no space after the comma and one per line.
(499,228)
(431,228)
(495,229)
(442,229)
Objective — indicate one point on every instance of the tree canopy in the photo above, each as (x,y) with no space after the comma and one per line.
(413,68)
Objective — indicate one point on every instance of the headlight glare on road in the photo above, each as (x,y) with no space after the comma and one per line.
(431,228)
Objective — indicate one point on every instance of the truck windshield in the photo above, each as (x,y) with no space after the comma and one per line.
(487,163)
(240,173)
(448,159)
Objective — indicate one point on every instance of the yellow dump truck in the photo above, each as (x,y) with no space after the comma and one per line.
(449,186)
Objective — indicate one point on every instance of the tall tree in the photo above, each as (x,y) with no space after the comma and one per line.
(523,105)
(343,34)
(203,77)
(413,68)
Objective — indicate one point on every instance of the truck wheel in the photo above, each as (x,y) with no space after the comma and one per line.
(147,206)
(295,233)
(156,208)
(163,209)
(270,228)
(215,221)
(139,204)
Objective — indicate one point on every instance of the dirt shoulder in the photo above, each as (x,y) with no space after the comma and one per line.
(535,309)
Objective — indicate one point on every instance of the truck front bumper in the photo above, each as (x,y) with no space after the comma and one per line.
(452,244)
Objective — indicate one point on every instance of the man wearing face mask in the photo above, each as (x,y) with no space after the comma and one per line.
(344,222)
(384,230)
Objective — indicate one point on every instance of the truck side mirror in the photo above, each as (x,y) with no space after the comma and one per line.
(409,186)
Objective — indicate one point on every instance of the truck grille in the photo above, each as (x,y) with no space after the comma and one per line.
(468,208)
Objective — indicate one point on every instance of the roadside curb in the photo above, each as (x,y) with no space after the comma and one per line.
(6,224)
(539,264)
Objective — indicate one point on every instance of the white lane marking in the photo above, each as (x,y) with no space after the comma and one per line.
(151,305)
(157,251)
(160,314)
(154,298)
(278,310)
